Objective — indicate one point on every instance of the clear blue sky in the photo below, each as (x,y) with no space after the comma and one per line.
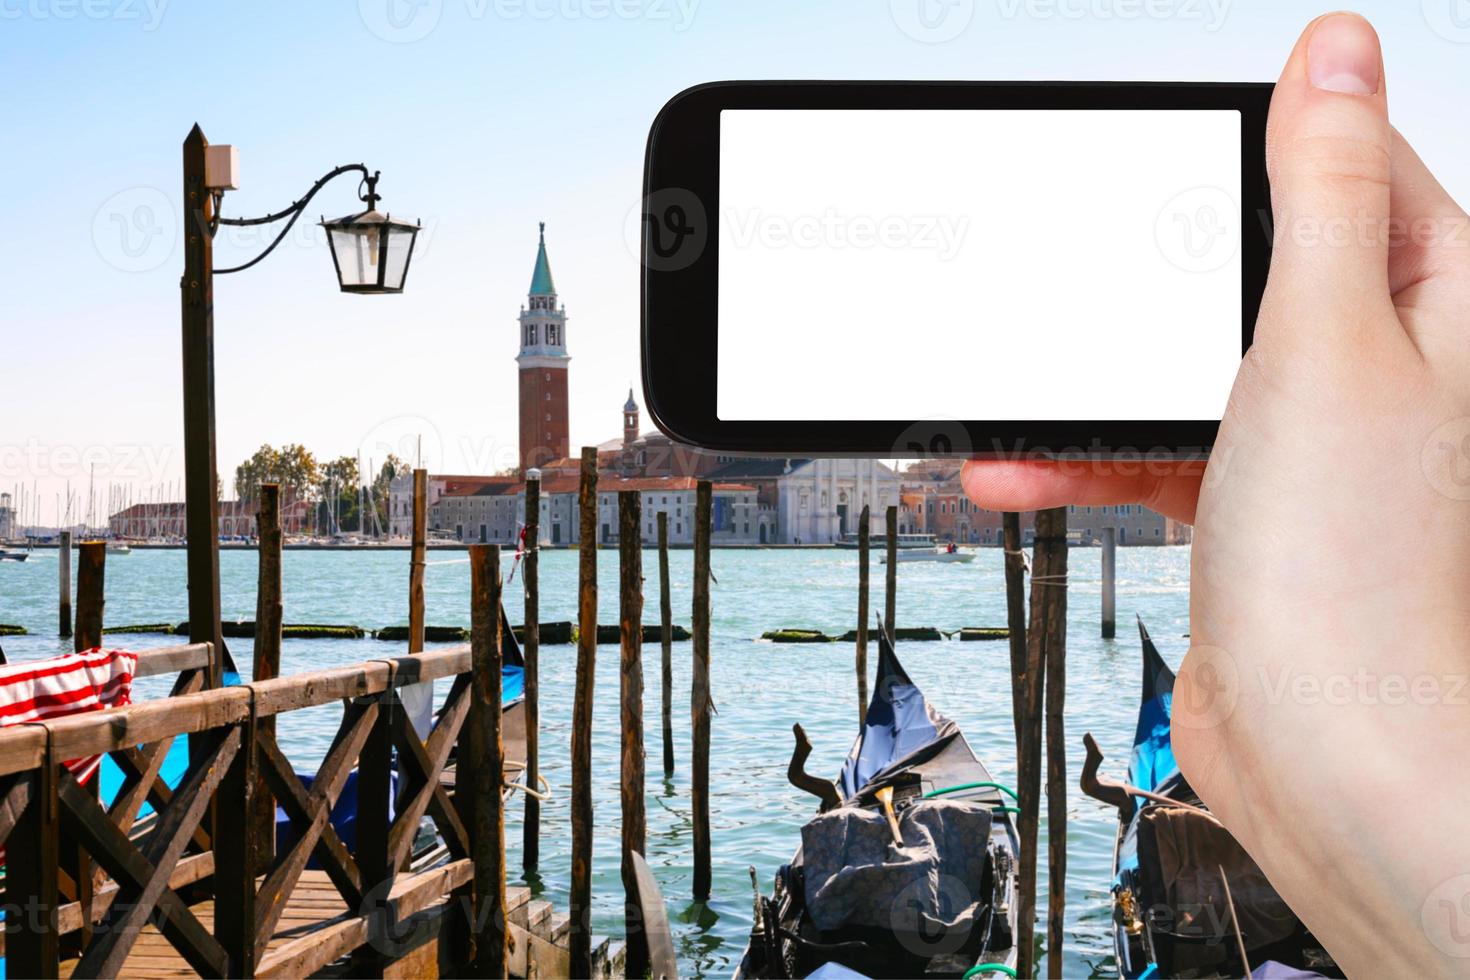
(485,116)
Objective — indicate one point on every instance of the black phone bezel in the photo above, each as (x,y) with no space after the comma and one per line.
(680,286)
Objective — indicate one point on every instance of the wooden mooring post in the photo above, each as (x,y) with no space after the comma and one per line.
(484,770)
(666,644)
(1026,709)
(630,688)
(581,891)
(1109,582)
(890,594)
(1047,643)
(864,534)
(63,585)
(269,612)
(699,706)
(531,653)
(91,576)
(418,557)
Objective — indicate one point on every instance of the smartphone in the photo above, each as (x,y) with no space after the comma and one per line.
(901,269)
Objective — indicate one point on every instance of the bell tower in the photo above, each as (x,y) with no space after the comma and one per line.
(543,360)
(630,420)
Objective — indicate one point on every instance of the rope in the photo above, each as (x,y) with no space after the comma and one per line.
(1055,581)
(1025,561)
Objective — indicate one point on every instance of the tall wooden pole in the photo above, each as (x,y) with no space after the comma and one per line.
(531,645)
(1047,643)
(418,556)
(201,486)
(864,534)
(268,616)
(486,771)
(1027,718)
(666,642)
(581,897)
(699,708)
(63,584)
(91,575)
(630,621)
(890,595)
(1109,582)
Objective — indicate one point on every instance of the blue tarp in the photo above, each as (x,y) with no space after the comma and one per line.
(1153,753)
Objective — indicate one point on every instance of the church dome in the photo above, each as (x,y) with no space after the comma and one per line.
(631,405)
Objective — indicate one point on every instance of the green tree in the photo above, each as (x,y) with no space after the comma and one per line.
(292,466)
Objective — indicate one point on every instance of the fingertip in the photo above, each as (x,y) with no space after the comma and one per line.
(1344,55)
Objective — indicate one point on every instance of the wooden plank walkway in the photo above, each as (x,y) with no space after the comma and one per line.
(317,930)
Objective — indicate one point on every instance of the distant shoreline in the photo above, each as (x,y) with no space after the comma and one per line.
(878,547)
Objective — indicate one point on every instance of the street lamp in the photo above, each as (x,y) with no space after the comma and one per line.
(371,252)
(370,249)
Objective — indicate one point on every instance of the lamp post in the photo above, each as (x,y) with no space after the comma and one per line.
(371,252)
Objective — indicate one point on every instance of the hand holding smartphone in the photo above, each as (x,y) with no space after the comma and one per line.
(892,269)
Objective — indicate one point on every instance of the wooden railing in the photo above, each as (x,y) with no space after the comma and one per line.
(83,879)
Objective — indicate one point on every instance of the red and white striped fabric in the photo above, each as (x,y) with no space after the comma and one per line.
(67,685)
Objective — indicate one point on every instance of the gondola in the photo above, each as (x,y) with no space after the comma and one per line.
(853,901)
(1187,899)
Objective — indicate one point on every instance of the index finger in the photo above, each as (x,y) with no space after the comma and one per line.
(1171,488)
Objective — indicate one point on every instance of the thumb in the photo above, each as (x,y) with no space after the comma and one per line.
(1328,152)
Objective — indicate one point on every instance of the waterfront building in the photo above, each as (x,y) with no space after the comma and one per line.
(734,511)
(543,361)
(818,501)
(237,519)
(1136,525)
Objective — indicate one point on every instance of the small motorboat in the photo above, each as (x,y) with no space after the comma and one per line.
(11,554)
(949,555)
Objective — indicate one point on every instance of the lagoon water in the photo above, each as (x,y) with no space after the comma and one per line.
(760,690)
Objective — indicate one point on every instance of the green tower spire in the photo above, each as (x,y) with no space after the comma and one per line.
(541,282)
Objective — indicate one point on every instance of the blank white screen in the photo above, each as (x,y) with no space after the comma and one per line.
(930,263)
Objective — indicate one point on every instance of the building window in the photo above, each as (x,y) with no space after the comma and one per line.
(530,335)
(551,335)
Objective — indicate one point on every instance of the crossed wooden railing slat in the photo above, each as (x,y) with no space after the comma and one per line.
(98,874)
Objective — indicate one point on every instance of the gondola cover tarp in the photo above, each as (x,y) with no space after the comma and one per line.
(857,876)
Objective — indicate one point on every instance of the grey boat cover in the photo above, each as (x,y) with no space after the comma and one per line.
(857,876)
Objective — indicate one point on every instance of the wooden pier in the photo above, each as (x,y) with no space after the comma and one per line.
(189,889)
